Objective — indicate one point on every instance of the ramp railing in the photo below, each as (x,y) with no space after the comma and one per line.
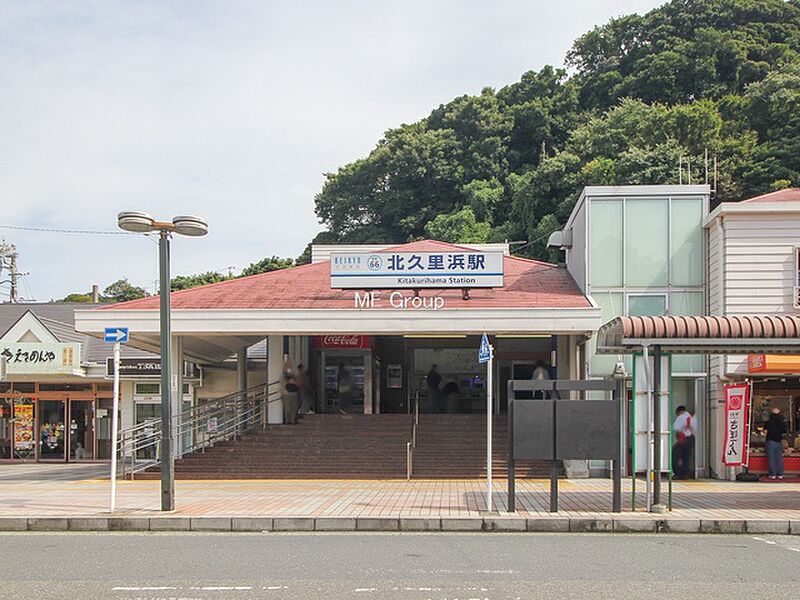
(198,427)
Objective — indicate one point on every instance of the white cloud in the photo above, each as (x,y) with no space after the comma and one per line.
(230,110)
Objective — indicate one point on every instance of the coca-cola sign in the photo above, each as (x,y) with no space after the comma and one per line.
(342,342)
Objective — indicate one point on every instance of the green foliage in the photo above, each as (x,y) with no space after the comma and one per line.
(273,263)
(458,227)
(184,282)
(78,297)
(122,291)
(649,92)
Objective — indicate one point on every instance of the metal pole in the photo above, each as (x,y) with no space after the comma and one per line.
(649,421)
(657,425)
(489,429)
(115,429)
(512,500)
(554,462)
(167,458)
(617,464)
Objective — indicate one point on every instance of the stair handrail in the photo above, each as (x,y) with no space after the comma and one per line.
(201,426)
(412,443)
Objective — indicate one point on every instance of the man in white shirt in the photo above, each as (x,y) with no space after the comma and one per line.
(685,427)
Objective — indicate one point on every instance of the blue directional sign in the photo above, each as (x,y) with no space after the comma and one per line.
(485,351)
(115,335)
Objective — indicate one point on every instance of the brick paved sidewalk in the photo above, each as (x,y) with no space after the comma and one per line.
(78,491)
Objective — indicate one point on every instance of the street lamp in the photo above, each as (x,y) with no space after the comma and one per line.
(140,222)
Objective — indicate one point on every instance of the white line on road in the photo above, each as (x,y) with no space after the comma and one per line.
(789,543)
(143,589)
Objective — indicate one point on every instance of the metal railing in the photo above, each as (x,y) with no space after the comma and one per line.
(198,427)
(412,443)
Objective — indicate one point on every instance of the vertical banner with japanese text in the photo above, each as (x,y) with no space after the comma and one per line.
(737,414)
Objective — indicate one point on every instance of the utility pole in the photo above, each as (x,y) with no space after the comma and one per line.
(8,259)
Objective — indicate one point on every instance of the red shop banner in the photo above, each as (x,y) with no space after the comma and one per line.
(737,425)
(343,342)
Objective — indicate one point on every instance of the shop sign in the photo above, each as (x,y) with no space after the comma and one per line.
(737,411)
(756,363)
(41,358)
(398,300)
(342,342)
(144,367)
(416,270)
(23,425)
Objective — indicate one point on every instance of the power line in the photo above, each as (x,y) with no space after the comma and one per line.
(73,231)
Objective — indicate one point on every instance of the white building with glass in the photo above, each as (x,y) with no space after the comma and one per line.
(639,251)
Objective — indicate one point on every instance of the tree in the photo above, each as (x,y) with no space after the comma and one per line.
(183,282)
(458,227)
(77,297)
(122,291)
(273,263)
(648,92)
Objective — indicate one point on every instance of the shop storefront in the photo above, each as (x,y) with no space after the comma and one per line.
(782,391)
(58,422)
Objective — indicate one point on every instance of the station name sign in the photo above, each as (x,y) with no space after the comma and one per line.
(416,270)
(145,367)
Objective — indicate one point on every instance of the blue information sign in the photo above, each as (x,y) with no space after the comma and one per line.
(485,351)
(114,335)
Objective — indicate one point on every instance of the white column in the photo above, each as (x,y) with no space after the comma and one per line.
(274,373)
(176,391)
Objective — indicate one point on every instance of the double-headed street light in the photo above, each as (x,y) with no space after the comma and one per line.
(140,222)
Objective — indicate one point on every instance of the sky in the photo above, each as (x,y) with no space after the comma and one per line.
(230,110)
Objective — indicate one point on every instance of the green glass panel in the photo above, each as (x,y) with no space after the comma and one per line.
(611,306)
(606,240)
(646,247)
(647,306)
(686,303)
(687,241)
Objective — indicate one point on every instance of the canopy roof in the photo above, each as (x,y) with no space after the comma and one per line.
(744,334)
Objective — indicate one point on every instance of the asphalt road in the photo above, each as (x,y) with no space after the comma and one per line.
(397,566)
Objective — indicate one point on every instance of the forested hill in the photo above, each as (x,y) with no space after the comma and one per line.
(722,75)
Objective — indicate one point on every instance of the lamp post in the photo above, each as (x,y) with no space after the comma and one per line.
(140,222)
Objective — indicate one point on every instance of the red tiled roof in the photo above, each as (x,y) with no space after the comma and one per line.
(787,195)
(528,284)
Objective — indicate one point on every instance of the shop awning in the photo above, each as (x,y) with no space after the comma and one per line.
(773,363)
(743,334)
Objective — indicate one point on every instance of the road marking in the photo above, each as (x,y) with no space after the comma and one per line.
(790,543)
(143,589)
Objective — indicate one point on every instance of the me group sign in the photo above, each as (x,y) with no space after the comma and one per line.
(416,270)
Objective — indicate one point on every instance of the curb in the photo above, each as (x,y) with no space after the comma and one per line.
(548,524)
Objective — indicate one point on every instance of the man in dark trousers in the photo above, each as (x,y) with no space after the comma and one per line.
(433,380)
(684,427)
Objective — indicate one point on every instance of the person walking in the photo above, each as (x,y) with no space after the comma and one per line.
(433,380)
(289,395)
(685,427)
(304,390)
(776,428)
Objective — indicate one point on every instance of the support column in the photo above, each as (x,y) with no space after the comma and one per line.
(241,381)
(275,373)
(176,395)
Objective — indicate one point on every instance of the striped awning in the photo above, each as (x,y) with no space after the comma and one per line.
(742,334)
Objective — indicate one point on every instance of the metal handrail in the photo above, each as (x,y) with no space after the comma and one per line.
(412,443)
(202,426)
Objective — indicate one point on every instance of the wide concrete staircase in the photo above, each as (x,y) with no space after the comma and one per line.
(333,446)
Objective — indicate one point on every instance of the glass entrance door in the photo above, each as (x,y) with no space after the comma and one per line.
(81,430)
(51,430)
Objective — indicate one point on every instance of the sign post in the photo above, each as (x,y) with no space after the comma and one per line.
(115,335)
(485,355)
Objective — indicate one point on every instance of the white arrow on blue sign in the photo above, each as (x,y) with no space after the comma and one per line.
(485,351)
(115,335)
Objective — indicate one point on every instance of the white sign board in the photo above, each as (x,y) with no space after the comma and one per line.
(41,358)
(416,270)
(642,411)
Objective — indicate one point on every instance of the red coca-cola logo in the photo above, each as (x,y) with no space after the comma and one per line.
(342,341)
